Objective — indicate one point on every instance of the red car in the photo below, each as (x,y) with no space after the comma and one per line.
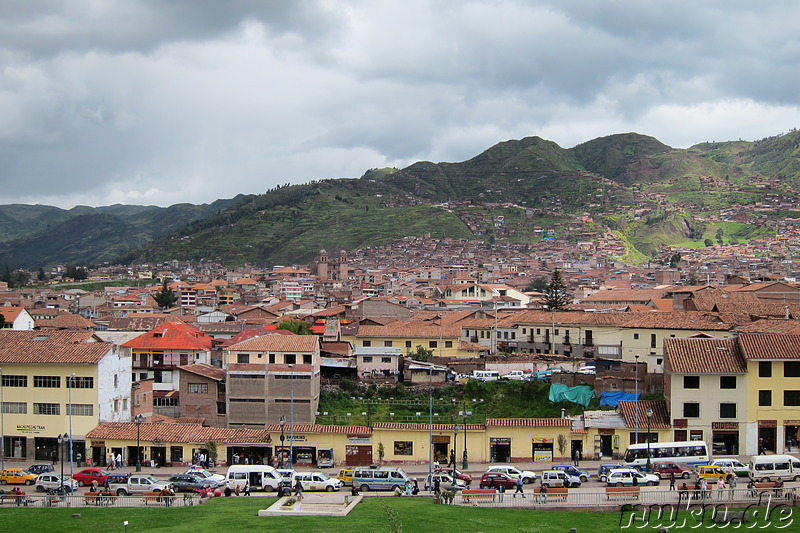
(87,475)
(458,474)
(494,479)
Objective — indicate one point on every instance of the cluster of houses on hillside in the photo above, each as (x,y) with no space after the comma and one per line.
(216,372)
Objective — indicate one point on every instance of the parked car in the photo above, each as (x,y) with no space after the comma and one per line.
(40,468)
(346,476)
(559,478)
(516,375)
(191,483)
(16,476)
(602,472)
(53,481)
(663,469)
(317,481)
(526,475)
(466,478)
(218,479)
(732,465)
(445,481)
(711,473)
(623,477)
(87,475)
(583,475)
(495,479)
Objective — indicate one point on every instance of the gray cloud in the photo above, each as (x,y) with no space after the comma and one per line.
(161,102)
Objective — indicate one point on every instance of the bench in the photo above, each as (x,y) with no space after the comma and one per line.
(552,494)
(763,487)
(12,498)
(156,497)
(622,492)
(98,498)
(478,495)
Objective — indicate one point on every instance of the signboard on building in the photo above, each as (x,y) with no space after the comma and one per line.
(359,440)
(30,428)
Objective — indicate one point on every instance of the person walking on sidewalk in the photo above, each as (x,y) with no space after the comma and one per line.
(519,488)
(576,457)
(672,481)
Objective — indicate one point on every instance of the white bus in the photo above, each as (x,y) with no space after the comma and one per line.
(259,477)
(694,452)
(485,375)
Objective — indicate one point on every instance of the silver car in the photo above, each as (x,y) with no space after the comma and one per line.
(53,481)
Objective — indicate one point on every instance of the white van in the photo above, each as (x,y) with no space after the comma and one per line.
(485,375)
(260,477)
(774,467)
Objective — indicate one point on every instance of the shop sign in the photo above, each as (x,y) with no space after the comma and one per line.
(499,440)
(724,425)
(542,456)
(767,423)
(542,441)
(98,443)
(791,422)
(30,428)
(359,440)
(296,438)
(439,439)
(680,423)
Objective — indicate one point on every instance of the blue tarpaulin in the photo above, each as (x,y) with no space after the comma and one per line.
(613,398)
(582,394)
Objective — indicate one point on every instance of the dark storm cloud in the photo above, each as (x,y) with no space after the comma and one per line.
(156,101)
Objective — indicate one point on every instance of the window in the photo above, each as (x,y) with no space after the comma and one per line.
(538,331)
(80,409)
(691,382)
(367,344)
(387,344)
(80,382)
(15,381)
(403,447)
(791,369)
(386,359)
(198,388)
(46,409)
(165,402)
(367,358)
(791,398)
(696,434)
(15,408)
(764,398)
(652,340)
(448,344)
(636,336)
(433,344)
(307,358)
(727,382)
(727,410)
(408,344)
(220,409)
(289,358)
(47,381)
(765,369)
(116,380)
(242,358)
(691,410)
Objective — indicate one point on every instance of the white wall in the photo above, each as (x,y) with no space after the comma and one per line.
(114,383)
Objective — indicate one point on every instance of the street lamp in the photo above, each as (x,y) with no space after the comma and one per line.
(138,419)
(430,426)
(283,437)
(70,380)
(291,418)
(455,449)
(636,396)
(2,426)
(649,413)
(465,414)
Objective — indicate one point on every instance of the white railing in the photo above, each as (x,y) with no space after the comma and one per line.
(39,500)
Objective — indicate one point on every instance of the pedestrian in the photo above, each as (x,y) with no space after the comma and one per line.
(733,480)
(672,481)
(501,490)
(721,486)
(704,488)
(452,458)
(519,488)
(436,486)
(298,490)
(761,447)
(106,484)
(247,488)
(683,492)
(576,457)
(118,460)
(95,485)
(634,479)
(54,456)
(78,458)
(543,494)
(751,489)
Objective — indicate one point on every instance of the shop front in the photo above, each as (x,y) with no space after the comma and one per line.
(791,432)
(15,446)
(725,438)
(767,438)
(441,449)
(542,450)
(250,455)
(499,449)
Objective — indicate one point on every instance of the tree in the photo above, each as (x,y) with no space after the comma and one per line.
(556,296)
(708,242)
(421,354)
(538,284)
(674,260)
(562,444)
(77,273)
(381,453)
(720,233)
(298,327)
(41,276)
(165,298)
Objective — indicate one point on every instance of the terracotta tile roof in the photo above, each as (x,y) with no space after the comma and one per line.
(23,349)
(247,367)
(278,343)
(55,336)
(770,346)
(419,427)
(626,295)
(175,432)
(422,330)
(11,313)
(207,371)
(703,356)
(529,422)
(685,320)
(660,419)
(65,321)
(318,428)
(774,326)
(472,347)
(172,336)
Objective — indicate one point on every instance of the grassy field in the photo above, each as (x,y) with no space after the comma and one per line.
(372,515)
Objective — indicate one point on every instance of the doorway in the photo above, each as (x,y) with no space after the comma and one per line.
(500,450)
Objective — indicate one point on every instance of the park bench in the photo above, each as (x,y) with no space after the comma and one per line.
(98,498)
(155,497)
(763,487)
(12,498)
(478,495)
(622,492)
(553,494)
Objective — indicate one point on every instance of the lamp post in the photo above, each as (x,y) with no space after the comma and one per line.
(138,419)
(636,399)
(61,441)
(291,418)
(70,380)
(465,414)
(430,427)
(2,426)
(649,413)
(283,437)
(455,450)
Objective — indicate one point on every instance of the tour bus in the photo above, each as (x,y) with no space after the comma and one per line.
(367,479)
(774,467)
(485,375)
(694,452)
(260,477)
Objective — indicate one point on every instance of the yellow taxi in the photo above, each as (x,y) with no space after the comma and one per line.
(17,476)
(346,475)
(710,472)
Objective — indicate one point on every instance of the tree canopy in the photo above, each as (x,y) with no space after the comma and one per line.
(298,327)
(165,298)
(556,296)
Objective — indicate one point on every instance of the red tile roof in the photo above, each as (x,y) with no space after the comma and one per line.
(419,427)
(703,356)
(54,347)
(207,371)
(660,419)
(770,346)
(529,422)
(278,343)
(172,336)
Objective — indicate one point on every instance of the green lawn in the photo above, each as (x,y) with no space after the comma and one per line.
(239,514)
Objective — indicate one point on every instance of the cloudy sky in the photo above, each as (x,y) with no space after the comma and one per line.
(167,101)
